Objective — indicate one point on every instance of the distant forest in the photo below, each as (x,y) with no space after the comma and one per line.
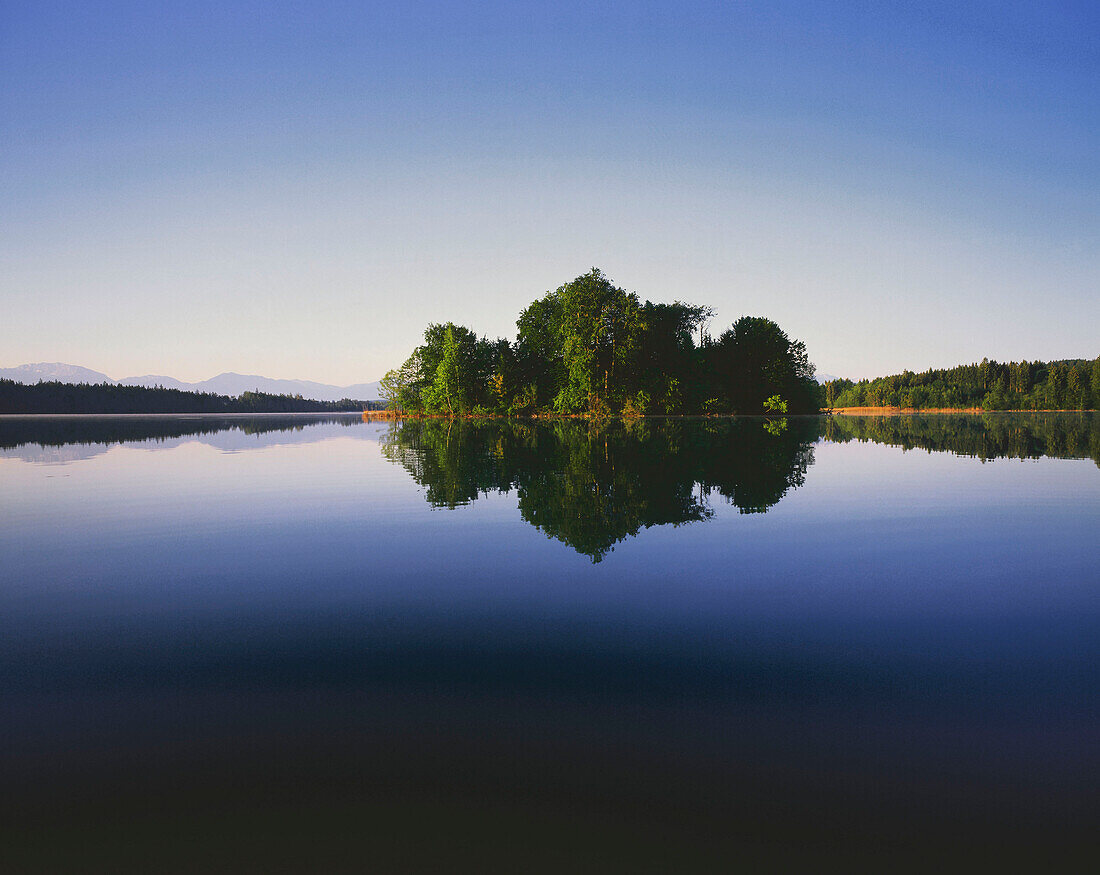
(593,349)
(54,397)
(1072,384)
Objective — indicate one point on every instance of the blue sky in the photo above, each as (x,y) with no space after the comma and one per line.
(297,189)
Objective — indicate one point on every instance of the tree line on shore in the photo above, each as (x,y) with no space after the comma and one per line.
(56,397)
(1071,384)
(592,348)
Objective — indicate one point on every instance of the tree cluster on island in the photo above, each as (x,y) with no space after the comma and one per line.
(1071,384)
(592,348)
(55,397)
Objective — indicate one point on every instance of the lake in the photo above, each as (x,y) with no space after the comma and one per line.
(314,642)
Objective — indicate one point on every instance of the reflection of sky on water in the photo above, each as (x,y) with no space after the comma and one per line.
(902,616)
(233,438)
(872,532)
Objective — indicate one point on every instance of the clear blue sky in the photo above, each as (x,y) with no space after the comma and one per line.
(296,189)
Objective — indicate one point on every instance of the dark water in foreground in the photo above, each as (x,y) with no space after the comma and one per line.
(317,643)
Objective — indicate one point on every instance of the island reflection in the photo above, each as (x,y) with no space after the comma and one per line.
(593,484)
(587,483)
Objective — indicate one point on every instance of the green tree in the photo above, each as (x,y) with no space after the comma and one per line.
(1056,385)
(601,330)
(539,361)
(755,359)
(399,387)
(1075,388)
(667,364)
(446,391)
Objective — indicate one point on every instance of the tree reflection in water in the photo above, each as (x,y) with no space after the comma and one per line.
(591,484)
(987,436)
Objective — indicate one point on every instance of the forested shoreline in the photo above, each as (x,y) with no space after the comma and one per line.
(1068,384)
(57,397)
(592,349)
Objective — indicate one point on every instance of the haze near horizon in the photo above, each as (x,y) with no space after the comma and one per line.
(296,191)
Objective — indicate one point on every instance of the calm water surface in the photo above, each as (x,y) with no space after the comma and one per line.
(666,645)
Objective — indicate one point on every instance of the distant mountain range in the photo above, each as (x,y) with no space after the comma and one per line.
(223,384)
(824,378)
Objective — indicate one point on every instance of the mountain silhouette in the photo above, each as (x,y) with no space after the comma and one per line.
(228,383)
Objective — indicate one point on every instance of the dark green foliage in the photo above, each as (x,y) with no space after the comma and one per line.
(669,360)
(755,360)
(54,397)
(592,348)
(1061,385)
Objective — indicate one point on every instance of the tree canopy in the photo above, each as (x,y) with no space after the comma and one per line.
(590,347)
